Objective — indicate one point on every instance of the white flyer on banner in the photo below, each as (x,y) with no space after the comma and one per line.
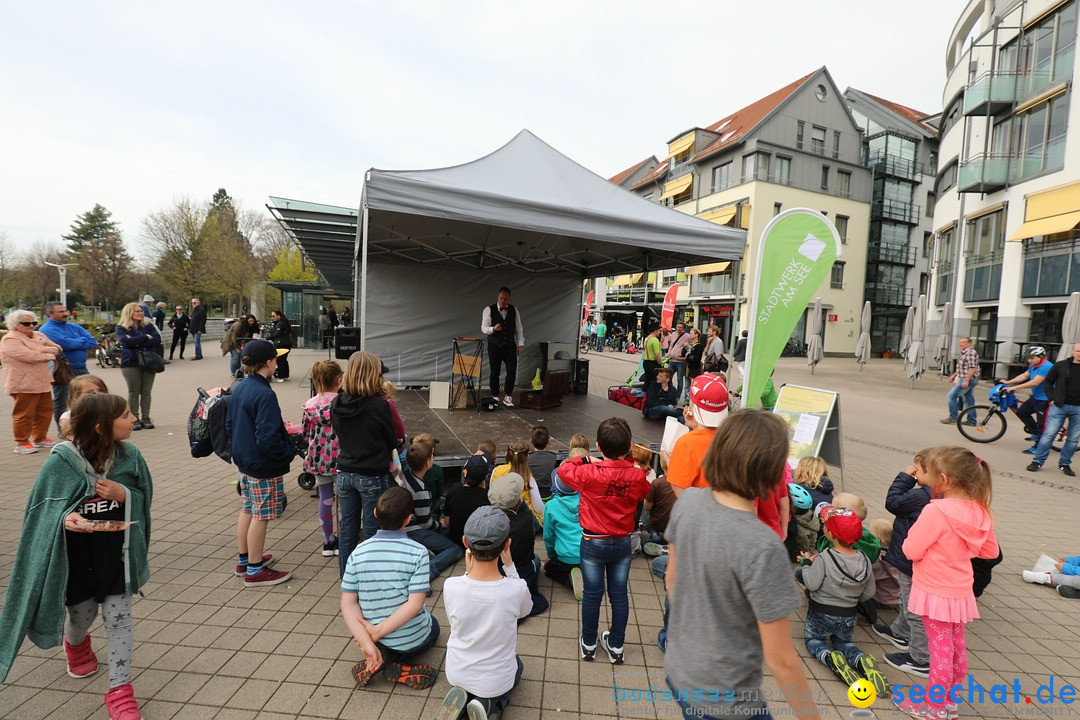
(805,429)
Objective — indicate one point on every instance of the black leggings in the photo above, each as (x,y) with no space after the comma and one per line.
(178,337)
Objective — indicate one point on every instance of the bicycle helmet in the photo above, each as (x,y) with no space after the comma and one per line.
(1036,351)
(800,496)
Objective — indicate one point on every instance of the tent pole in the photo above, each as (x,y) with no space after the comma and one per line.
(363,273)
(736,266)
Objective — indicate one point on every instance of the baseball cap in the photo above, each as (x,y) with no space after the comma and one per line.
(709,400)
(476,468)
(505,492)
(487,528)
(256,352)
(844,524)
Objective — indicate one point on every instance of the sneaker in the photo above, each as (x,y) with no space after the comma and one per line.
(903,661)
(508,401)
(137,425)
(1037,578)
(477,710)
(886,632)
(577,583)
(615,655)
(121,704)
(81,660)
(330,549)
(361,673)
(26,449)
(267,577)
(1030,450)
(868,667)
(44,443)
(452,704)
(652,549)
(836,662)
(1068,591)
(948,421)
(1066,471)
(415,676)
(1033,437)
(1034,466)
(268,560)
(587,653)
(279,380)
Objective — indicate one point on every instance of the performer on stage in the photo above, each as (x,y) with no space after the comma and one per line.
(501,322)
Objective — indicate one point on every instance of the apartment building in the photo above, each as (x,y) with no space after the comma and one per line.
(1006,244)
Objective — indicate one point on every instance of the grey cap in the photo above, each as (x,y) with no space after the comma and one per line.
(505,492)
(487,528)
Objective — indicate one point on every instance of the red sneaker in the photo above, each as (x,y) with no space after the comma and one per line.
(81,660)
(121,704)
(266,576)
(268,560)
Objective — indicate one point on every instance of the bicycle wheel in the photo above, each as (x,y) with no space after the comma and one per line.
(989,423)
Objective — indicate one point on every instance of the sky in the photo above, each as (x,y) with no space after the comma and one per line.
(134,105)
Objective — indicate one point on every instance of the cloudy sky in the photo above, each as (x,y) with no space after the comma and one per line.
(133,104)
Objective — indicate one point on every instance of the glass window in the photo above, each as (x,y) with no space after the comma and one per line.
(843,183)
(931,204)
(762,165)
(1042,55)
(800,129)
(946,179)
(945,246)
(817,140)
(824,177)
(721,177)
(748,168)
(836,144)
(1057,126)
(927,244)
(986,236)
(782,170)
(1066,42)
(841,227)
(836,280)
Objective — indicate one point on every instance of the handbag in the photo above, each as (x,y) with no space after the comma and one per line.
(62,372)
(150,360)
(711,364)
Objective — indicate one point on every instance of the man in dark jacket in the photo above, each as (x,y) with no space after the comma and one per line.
(262,452)
(198,326)
(1064,378)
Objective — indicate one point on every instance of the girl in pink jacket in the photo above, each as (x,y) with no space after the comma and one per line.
(954,528)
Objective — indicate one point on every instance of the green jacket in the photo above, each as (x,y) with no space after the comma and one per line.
(868,545)
(34,606)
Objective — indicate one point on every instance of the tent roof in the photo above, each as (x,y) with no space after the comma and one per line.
(524,208)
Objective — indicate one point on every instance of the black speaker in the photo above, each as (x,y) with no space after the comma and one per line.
(581,377)
(346,342)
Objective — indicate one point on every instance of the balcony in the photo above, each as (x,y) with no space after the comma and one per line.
(890,295)
(892,253)
(679,169)
(984,174)
(883,163)
(897,210)
(991,93)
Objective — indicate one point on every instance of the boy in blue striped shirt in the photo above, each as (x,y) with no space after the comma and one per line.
(383,590)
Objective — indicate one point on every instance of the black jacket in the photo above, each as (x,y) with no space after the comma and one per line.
(905,499)
(1059,378)
(365,432)
(281,333)
(180,323)
(198,319)
(739,354)
(656,397)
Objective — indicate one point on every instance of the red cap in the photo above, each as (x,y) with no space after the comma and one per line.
(709,400)
(844,525)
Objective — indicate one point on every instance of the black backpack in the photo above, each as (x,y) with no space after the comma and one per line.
(206,424)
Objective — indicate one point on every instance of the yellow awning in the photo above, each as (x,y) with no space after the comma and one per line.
(744,221)
(621,280)
(1047,226)
(708,269)
(677,185)
(720,216)
(681,145)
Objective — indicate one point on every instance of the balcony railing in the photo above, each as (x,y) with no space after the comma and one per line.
(984,173)
(1051,269)
(890,295)
(883,163)
(680,169)
(717,284)
(891,253)
(896,210)
(991,93)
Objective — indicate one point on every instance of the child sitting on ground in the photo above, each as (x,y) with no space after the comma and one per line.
(517,461)
(542,461)
(433,479)
(1065,576)
(658,504)
(483,609)
(804,531)
(487,449)
(423,528)
(383,589)
(838,579)
(886,576)
(868,545)
(643,458)
(505,493)
(79,386)
(463,499)
(322,445)
(562,535)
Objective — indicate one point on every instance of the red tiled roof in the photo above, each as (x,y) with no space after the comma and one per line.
(618,179)
(912,116)
(655,174)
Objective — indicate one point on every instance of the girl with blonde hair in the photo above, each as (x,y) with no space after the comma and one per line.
(517,460)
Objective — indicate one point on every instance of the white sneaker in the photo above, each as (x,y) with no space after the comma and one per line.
(508,401)
(27,449)
(1038,578)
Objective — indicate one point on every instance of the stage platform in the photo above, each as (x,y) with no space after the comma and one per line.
(459,432)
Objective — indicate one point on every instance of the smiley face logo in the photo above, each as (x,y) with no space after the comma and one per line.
(861,694)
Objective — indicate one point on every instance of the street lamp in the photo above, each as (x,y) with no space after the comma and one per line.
(63,278)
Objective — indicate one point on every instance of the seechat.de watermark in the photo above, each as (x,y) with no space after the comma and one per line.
(1052,697)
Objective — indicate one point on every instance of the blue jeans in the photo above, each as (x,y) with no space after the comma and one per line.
(60,396)
(659,412)
(234,362)
(1055,418)
(960,397)
(608,557)
(447,552)
(821,627)
(679,366)
(357,495)
(197,338)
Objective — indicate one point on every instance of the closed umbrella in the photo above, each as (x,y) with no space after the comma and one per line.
(905,339)
(916,356)
(814,351)
(1070,326)
(944,342)
(862,350)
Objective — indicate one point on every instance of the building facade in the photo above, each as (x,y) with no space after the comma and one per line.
(1006,249)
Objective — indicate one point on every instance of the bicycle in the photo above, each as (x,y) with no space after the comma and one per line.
(990,421)
(108,351)
(584,345)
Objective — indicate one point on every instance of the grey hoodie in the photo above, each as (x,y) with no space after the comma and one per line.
(839,580)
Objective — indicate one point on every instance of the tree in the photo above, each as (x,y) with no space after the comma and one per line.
(182,249)
(92,227)
(8,271)
(40,280)
(104,272)
(231,249)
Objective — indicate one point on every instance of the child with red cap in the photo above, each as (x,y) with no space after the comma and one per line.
(837,580)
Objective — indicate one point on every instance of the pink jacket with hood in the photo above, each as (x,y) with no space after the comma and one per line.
(26,362)
(942,542)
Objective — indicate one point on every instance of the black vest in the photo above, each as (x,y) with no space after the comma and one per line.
(508,335)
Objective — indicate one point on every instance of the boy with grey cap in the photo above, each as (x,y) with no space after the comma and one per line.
(483,608)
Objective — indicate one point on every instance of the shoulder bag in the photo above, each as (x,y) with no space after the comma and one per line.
(150,360)
(62,372)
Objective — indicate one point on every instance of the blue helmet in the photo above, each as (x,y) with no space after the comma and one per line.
(800,496)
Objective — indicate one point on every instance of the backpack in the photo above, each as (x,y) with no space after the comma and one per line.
(206,424)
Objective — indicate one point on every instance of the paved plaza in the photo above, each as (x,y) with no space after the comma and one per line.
(206,647)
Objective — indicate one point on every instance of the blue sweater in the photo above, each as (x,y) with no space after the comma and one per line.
(906,500)
(260,444)
(72,338)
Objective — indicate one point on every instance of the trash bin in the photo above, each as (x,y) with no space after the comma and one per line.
(581,377)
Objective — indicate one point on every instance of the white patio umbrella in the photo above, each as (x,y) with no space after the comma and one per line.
(1070,326)
(944,342)
(814,351)
(915,363)
(905,339)
(862,350)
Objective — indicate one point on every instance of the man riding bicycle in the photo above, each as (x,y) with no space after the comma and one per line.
(1032,410)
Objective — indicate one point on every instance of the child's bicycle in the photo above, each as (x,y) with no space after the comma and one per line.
(990,421)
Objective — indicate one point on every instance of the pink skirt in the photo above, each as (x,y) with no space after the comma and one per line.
(943,609)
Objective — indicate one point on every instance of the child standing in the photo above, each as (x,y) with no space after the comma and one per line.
(94,477)
(322,445)
(954,528)
(610,491)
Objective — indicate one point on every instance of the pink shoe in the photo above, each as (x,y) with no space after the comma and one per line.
(268,560)
(121,704)
(266,577)
(81,660)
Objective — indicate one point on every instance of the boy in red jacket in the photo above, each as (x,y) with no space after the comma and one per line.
(610,491)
